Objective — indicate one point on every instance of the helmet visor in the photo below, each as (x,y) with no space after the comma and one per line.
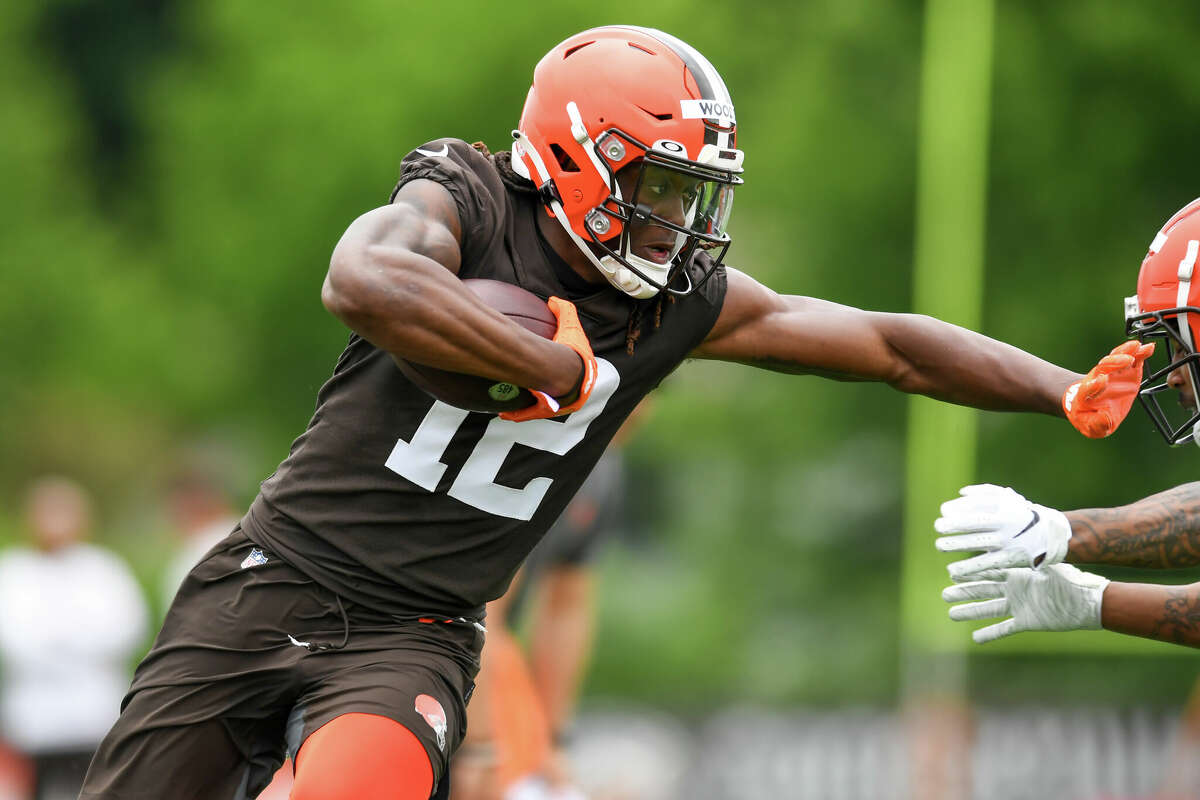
(713,209)
(683,200)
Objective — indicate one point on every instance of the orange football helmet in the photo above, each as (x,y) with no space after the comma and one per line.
(1167,307)
(617,96)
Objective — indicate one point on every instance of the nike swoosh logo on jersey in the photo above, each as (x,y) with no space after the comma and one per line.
(445,151)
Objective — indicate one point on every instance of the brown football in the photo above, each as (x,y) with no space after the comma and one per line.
(484,394)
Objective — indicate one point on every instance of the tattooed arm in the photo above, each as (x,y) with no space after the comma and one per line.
(1159,532)
(1166,613)
(1060,597)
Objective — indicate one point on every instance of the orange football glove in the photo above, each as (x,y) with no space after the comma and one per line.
(570,333)
(1098,404)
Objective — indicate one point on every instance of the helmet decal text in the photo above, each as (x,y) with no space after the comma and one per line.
(708,109)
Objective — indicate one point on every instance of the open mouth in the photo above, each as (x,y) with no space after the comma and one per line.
(659,255)
(659,252)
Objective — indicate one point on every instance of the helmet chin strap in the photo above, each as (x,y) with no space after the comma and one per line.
(624,279)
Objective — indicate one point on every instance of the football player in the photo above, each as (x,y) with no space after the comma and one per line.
(343,614)
(1021,577)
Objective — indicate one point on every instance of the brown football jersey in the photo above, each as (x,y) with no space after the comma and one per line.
(413,507)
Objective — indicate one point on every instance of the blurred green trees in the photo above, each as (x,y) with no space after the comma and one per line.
(177,173)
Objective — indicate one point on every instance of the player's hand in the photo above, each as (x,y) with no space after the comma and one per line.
(570,333)
(1057,598)
(1013,531)
(1097,404)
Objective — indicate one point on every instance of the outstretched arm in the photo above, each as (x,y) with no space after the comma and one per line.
(909,352)
(1161,531)
(1062,598)
(1165,613)
(1158,532)
(393,280)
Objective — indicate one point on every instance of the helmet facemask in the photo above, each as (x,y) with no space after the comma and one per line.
(1174,350)
(658,180)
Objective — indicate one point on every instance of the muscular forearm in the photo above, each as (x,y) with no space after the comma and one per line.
(413,307)
(1166,613)
(1160,532)
(960,366)
(911,352)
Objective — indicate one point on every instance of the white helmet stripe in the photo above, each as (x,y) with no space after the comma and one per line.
(525,148)
(1186,267)
(706,75)
(1187,264)
(580,134)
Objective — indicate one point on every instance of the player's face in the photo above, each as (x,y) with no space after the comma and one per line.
(669,195)
(1179,381)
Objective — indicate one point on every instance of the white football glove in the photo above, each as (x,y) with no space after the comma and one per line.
(1014,531)
(1057,598)
(537,788)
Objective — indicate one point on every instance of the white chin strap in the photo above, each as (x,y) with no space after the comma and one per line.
(624,279)
(617,273)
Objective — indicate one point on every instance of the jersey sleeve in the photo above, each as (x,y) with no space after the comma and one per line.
(475,185)
(711,292)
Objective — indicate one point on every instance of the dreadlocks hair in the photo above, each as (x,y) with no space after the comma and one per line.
(633,328)
(503,162)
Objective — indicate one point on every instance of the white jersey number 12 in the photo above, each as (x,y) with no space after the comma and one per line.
(419,459)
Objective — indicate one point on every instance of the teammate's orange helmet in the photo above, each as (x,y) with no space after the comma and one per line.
(1167,307)
(614,96)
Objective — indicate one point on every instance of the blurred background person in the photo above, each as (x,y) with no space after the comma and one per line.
(72,619)
(201,510)
(520,716)
(202,514)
